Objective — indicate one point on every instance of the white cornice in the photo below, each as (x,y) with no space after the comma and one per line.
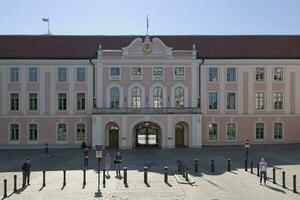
(43,62)
(146,61)
(252,61)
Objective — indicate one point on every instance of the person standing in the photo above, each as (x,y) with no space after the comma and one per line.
(263,166)
(26,172)
(118,160)
(86,157)
(107,161)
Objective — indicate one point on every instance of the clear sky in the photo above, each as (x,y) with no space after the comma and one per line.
(166,17)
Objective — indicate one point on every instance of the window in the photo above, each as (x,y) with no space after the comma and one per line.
(260,100)
(260,131)
(136,97)
(213,131)
(33,132)
(80,101)
(158,97)
(62,101)
(114,97)
(260,74)
(278,74)
(278,100)
(114,71)
(14,101)
(213,74)
(80,74)
(14,132)
(231,74)
(179,97)
(179,71)
(158,71)
(62,132)
(33,101)
(14,74)
(80,133)
(231,131)
(62,75)
(278,130)
(231,100)
(32,74)
(213,100)
(136,71)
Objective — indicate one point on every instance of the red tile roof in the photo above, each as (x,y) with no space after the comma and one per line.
(84,47)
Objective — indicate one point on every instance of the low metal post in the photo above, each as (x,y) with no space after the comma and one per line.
(183,171)
(294,184)
(145,175)
(212,165)
(274,176)
(166,174)
(64,181)
(15,183)
(246,165)
(257,169)
(84,177)
(44,178)
(229,165)
(178,166)
(104,179)
(5,189)
(196,165)
(186,175)
(283,179)
(125,175)
(251,166)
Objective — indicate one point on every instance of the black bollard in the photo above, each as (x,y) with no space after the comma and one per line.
(104,178)
(257,169)
(183,171)
(15,183)
(44,178)
(251,166)
(229,165)
(283,179)
(84,177)
(145,175)
(294,184)
(178,166)
(246,165)
(166,174)
(186,175)
(64,182)
(196,165)
(125,175)
(274,176)
(212,165)
(5,189)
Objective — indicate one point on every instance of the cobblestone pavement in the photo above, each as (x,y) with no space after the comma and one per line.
(235,185)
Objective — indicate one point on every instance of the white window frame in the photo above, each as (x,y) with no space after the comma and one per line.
(226,71)
(265,104)
(85,74)
(236,130)
(67,135)
(28,101)
(28,133)
(218,78)
(9,129)
(274,101)
(158,77)
(57,101)
(208,139)
(57,75)
(273,131)
(218,100)
(265,130)
(37,75)
(236,104)
(76,100)
(85,138)
(265,75)
(273,73)
(112,77)
(136,77)
(180,77)
(10,74)
(9,100)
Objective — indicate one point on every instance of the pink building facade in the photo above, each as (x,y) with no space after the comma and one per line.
(142,91)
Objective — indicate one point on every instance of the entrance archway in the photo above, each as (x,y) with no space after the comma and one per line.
(113,136)
(181,135)
(147,134)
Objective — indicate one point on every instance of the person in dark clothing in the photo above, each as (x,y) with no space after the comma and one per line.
(26,172)
(118,160)
(83,145)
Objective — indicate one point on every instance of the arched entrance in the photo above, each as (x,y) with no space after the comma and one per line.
(147,134)
(113,136)
(181,134)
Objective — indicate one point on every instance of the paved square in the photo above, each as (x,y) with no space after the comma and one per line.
(220,184)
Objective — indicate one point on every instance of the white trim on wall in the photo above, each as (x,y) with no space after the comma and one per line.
(186,94)
(129,97)
(28,133)
(121,90)
(151,92)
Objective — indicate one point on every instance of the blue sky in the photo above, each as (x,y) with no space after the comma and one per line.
(166,17)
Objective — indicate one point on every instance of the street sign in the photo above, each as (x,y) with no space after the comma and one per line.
(247,144)
(99,149)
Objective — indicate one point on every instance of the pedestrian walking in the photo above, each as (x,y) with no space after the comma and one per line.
(86,157)
(83,145)
(263,166)
(26,172)
(46,150)
(118,160)
(107,161)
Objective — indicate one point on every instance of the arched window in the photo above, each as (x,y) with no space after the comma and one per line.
(114,97)
(158,97)
(179,97)
(136,97)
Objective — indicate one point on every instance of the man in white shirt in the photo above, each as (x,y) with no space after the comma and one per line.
(263,166)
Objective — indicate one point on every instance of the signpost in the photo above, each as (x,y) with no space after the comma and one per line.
(99,149)
(247,147)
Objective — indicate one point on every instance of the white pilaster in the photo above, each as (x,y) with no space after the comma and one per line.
(287,91)
(196,134)
(23,93)
(5,105)
(169,133)
(89,80)
(222,89)
(71,92)
(203,84)
(52,90)
(42,90)
(240,84)
(194,95)
(97,131)
(251,88)
(124,137)
(269,95)
(99,84)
